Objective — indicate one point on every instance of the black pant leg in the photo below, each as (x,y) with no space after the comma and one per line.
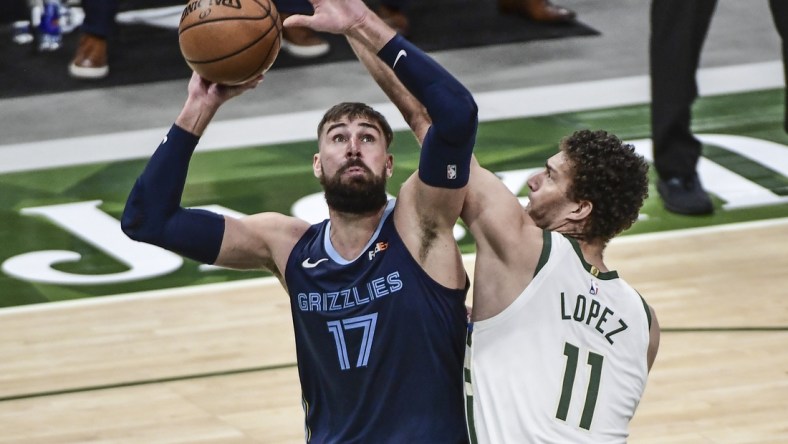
(678,30)
(99,17)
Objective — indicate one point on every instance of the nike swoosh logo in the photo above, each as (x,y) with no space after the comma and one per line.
(307,264)
(402,53)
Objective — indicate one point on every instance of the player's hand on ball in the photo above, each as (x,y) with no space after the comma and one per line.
(215,94)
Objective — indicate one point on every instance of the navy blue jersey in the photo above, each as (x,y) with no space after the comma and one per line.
(380,344)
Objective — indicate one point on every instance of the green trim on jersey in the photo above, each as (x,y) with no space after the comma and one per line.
(547,242)
(648,310)
(597,273)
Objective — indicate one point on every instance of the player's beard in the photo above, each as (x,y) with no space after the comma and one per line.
(359,195)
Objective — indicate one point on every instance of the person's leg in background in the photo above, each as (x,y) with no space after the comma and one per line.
(300,42)
(780,16)
(678,31)
(91,60)
(17,12)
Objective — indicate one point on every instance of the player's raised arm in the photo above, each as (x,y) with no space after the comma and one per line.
(153,212)
(414,113)
(448,144)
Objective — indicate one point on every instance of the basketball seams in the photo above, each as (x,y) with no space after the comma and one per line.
(238,51)
(266,6)
(235,46)
(262,66)
(221,19)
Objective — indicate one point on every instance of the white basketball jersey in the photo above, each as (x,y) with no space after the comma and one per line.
(565,362)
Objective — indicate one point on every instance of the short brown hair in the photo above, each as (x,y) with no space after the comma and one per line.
(354,110)
(609,174)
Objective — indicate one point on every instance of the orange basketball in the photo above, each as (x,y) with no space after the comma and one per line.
(230,41)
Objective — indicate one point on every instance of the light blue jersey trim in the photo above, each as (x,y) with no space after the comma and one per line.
(332,252)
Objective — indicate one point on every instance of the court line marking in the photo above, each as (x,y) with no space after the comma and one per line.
(287,365)
(138,382)
(207,288)
(243,284)
(299,126)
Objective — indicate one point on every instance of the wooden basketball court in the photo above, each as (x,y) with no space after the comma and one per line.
(216,364)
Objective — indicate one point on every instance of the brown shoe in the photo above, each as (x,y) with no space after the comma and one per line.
(90,61)
(395,18)
(303,42)
(537,10)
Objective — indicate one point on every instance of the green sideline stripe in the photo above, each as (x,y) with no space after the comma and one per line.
(146,382)
(249,179)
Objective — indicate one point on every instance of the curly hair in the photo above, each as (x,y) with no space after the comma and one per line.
(609,174)
(354,110)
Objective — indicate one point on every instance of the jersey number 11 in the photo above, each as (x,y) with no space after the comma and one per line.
(595,361)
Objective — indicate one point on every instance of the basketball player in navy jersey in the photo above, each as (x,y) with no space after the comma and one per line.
(378,290)
(561,346)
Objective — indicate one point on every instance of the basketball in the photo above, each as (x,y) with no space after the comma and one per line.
(230,41)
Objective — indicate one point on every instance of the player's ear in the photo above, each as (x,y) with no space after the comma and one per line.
(317,167)
(389,166)
(581,211)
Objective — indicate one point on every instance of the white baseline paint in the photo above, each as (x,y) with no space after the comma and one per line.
(300,126)
(210,290)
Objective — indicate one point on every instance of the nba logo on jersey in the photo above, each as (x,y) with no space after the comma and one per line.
(594,288)
(451,171)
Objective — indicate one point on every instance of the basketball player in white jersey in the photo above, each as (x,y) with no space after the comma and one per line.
(560,347)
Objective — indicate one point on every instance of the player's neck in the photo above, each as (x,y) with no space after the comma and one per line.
(593,254)
(350,233)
